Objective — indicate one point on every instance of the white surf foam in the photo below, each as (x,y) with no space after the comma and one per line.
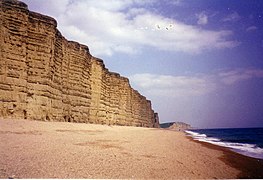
(250,150)
(195,135)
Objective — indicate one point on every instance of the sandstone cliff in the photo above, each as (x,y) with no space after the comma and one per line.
(43,76)
(177,126)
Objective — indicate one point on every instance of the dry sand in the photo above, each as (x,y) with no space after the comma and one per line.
(33,149)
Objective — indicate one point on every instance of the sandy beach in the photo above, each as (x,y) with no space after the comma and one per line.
(33,149)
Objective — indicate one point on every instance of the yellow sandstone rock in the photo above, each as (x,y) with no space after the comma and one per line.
(43,76)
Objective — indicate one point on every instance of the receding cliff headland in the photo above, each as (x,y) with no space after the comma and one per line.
(177,126)
(43,76)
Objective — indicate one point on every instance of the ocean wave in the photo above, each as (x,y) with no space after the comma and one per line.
(194,134)
(250,150)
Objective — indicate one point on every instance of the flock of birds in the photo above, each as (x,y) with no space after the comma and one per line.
(167,28)
(159,27)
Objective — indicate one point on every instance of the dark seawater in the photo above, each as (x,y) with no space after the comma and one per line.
(246,141)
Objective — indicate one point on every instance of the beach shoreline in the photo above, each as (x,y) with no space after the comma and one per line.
(35,149)
(250,168)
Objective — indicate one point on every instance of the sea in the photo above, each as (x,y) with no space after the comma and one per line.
(246,141)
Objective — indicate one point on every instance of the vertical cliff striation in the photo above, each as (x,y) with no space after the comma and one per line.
(43,76)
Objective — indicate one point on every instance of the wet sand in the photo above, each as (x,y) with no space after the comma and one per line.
(250,168)
(33,149)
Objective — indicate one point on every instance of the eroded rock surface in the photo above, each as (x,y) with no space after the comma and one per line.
(43,76)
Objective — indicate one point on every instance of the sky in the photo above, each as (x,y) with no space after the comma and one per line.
(198,61)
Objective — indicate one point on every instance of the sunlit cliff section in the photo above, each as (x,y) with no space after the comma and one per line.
(43,76)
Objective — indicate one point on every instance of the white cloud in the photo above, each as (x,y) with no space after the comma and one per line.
(174,2)
(48,7)
(202,18)
(232,17)
(251,28)
(126,26)
(190,86)
(172,86)
(238,75)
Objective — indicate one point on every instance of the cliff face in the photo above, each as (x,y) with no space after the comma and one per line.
(45,77)
(177,126)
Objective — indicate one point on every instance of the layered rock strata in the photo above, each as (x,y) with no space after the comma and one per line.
(43,76)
